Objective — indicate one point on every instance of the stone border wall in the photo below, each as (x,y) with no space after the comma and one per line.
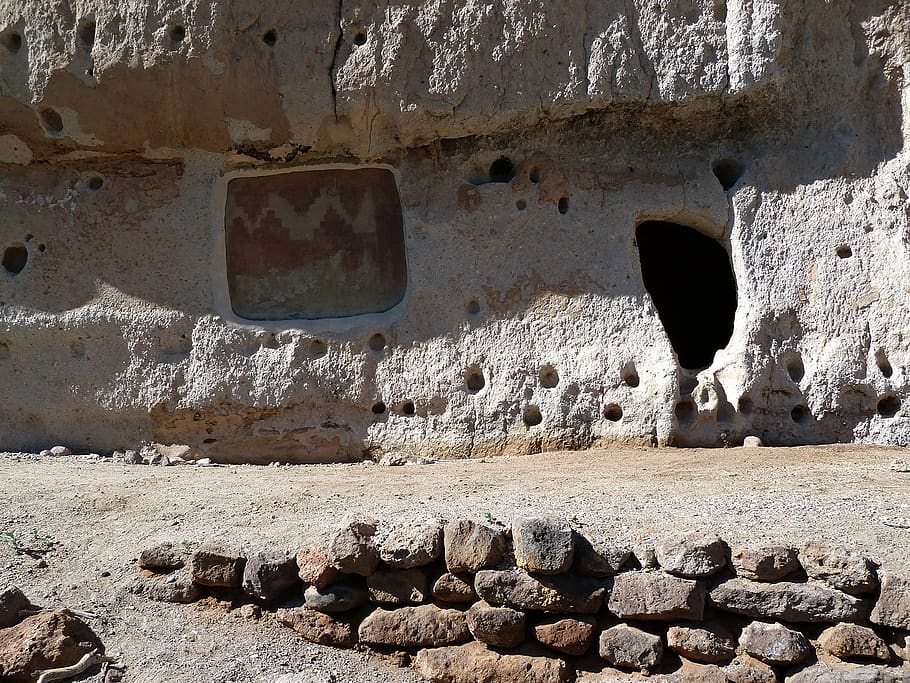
(469,601)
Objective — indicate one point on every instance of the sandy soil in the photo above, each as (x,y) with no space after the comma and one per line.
(102,514)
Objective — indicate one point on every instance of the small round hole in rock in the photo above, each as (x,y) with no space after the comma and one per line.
(795,368)
(51,121)
(534,175)
(270,37)
(521,205)
(12,40)
(889,406)
(884,366)
(685,411)
(531,416)
(844,251)
(473,307)
(95,183)
(502,170)
(378,408)
(14,258)
(799,414)
(407,408)
(360,38)
(178,33)
(318,348)
(377,342)
(474,379)
(629,375)
(42,247)
(727,172)
(613,412)
(548,376)
(87,33)
(563,205)
(745,404)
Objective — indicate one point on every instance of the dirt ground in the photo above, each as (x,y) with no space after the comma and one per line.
(102,514)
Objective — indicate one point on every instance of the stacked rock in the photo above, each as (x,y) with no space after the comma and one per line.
(475,600)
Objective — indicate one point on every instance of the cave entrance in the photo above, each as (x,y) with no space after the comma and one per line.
(691,282)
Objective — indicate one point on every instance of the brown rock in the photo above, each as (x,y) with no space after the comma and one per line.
(343,596)
(695,555)
(497,626)
(398,587)
(517,589)
(571,636)
(787,601)
(47,640)
(165,557)
(839,567)
(12,601)
(213,565)
(767,563)
(472,546)
(178,586)
(474,662)
(893,605)
(849,641)
(598,558)
(424,626)
(631,648)
(656,596)
(317,627)
(413,546)
(455,588)
(543,545)
(746,669)
(352,550)
(775,643)
(702,642)
(269,576)
(314,567)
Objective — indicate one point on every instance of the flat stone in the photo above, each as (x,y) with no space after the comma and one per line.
(214,565)
(471,546)
(746,669)
(543,545)
(786,601)
(457,588)
(823,672)
(599,558)
(352,550)
(767,563)
(656,596)
(631,648)
(12,601)
(178,587)
(424,626)
(775,643)
(839,567)
(571,636)
(474,662)
(413,546)
(47,640)
(339,597)
(497,626)
(517,589)
(269,576)
(695,555)
(398,587)
(851,641)
(314,567)
(893,605)
(318,627)
(165,557)
(702,642)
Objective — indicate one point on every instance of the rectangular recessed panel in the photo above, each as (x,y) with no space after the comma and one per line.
(314,244)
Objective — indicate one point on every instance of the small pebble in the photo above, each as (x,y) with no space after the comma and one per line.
(59,451)
(752,442)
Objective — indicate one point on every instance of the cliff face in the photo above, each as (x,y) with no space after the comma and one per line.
(670,221)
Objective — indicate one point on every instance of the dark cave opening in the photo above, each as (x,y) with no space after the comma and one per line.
(691,282)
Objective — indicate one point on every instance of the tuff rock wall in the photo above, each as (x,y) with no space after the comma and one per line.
(776,127)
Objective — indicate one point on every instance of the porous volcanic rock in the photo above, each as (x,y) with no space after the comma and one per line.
(471,546)
(269,576)
(702,642)
(177,586)
(851,641)
(766,563)
(571,636)
(694,555)
(746,669)
(423,626)
(475,662)
(352,549)
(787,601)
(598,557)
(12,601)
(839,567)
(893,605)
(413,546)
(497,626)
(543,545)
(215,565)
(318,627)
(517,589)
(775,643)
(314,567)
(343,596)
(165,557)
(456,588)
(631,648)
(398,586)
(656,596)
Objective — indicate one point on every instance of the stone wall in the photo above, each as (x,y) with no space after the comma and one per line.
(541,601)
(528,144)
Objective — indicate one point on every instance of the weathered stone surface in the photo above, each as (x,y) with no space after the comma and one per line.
(702,642)
(849,641)
(165,557)
(214,565)
(472,546)
(269,576)
(893,605)
(397,587)
(775,643)
(497,626)
(543,545)
(824,672)
(571,635)
(695,555)
(598,557)
(47,640)
(746,669)
(839,567)
(352,550)
(177,586)
(424,626)
(314,567)
(767,563)
(12,601)
(517,589)
(631,648)
(413,546)
(653,596)
(752,442)
(318,627)
(473,662)
(133,458)
(787,601)
(456,588)
(339,597)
